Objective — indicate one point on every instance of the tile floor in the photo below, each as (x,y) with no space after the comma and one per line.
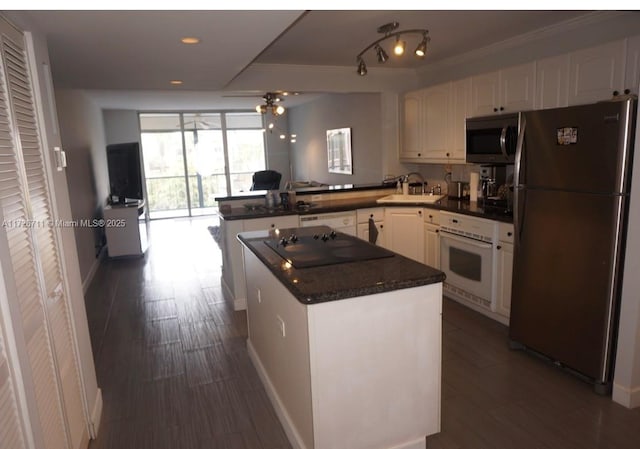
(174,371)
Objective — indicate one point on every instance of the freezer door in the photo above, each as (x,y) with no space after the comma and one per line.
(581,148)
(564,277)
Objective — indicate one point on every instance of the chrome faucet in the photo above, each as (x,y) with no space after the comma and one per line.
(419,176)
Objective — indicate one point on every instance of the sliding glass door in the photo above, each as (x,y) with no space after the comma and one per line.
(192,158)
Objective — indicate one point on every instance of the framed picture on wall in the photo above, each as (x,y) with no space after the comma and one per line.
(339,151)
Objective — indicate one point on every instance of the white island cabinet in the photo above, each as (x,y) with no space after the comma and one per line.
(359,372)
(126,230)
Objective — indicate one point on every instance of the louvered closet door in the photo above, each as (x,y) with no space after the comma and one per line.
(46,319)
(10,428)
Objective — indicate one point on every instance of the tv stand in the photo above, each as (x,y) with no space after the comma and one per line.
(126,229)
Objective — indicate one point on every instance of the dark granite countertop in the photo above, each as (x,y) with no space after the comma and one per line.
(340,281)
(317,190)
(459,206)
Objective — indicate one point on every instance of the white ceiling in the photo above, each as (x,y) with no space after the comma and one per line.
(140,50)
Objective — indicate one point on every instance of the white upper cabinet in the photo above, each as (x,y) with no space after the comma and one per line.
(411,126)
(632,73)
(596,72)
(552,82)
(459,111)
(507,90)
(436,109)
(485,90)
(433,123)
(517,85)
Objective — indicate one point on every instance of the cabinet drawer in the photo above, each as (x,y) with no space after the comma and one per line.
(505,232)
(267,223)
(377,213)
(431,216)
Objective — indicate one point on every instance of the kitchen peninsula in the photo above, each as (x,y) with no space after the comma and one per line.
(349,351)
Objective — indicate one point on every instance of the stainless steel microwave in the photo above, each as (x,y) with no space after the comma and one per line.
(492,139)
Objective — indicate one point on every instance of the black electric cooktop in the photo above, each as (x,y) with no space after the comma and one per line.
(328,248)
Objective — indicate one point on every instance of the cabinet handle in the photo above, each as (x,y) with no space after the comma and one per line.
(437,231)
(419,154)
(419,212)
(627,91)
(616,93)
(501,108)
(447,154)
(454,220)
(273,225)
(381,226)
(371,216)
(495,109)
(430,216)
(509,234)
(498,247)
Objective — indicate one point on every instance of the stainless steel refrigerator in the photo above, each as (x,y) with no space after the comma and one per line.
(571,193)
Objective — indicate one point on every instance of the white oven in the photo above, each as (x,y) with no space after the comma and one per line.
(467,258)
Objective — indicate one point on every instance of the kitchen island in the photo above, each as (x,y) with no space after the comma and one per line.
(349,350)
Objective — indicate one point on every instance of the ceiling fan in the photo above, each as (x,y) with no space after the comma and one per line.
(272,101)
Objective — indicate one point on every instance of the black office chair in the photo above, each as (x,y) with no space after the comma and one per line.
(266,180)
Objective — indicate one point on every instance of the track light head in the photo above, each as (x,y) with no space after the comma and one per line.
(398,48)
(362,68)
(382,55)
(421,49)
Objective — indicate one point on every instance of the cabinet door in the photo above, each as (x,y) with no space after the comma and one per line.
(435,121)
(260,224)
(552,82)
(517,85)
(460,109)
(594,73)
(505,272)
(412,126)
(632,75)
(404,231)
(485,93)
(432,245)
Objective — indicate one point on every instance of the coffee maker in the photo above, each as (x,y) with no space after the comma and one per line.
(497,191)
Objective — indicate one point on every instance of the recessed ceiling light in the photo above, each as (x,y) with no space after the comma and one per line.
(190,40)
(176,82)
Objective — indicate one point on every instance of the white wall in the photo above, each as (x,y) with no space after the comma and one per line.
(82,133)
(310,121)
(121,126)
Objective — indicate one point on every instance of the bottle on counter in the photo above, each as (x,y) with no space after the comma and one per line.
(270,200)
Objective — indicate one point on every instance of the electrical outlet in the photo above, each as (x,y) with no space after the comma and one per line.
(281,326)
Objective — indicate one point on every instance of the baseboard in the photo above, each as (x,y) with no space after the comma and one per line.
(96,414)
(237,303)
(627,397)
(86,282)
(292,434)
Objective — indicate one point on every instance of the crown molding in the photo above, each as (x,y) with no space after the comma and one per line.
(526,38)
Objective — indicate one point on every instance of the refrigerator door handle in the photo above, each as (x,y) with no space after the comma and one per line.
(518,203)
(503,141)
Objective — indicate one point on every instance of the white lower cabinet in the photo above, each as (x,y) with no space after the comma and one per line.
(505,268)
(432,238)
(233,280)
(405,231)
(363,217)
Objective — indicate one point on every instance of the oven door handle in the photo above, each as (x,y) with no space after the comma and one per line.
(465,240)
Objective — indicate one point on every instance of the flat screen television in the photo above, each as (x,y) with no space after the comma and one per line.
(125,175)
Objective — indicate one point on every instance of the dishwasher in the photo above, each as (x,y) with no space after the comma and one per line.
(339,221)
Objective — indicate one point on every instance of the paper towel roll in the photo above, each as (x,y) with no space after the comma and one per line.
(474,180)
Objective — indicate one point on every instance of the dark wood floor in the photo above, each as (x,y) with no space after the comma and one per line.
(174,370)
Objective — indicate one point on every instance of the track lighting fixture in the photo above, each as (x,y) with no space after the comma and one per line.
(389,31)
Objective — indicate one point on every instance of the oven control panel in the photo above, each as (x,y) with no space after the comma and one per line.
(467,226)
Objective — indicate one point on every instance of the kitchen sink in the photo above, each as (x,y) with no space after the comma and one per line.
(400,198)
